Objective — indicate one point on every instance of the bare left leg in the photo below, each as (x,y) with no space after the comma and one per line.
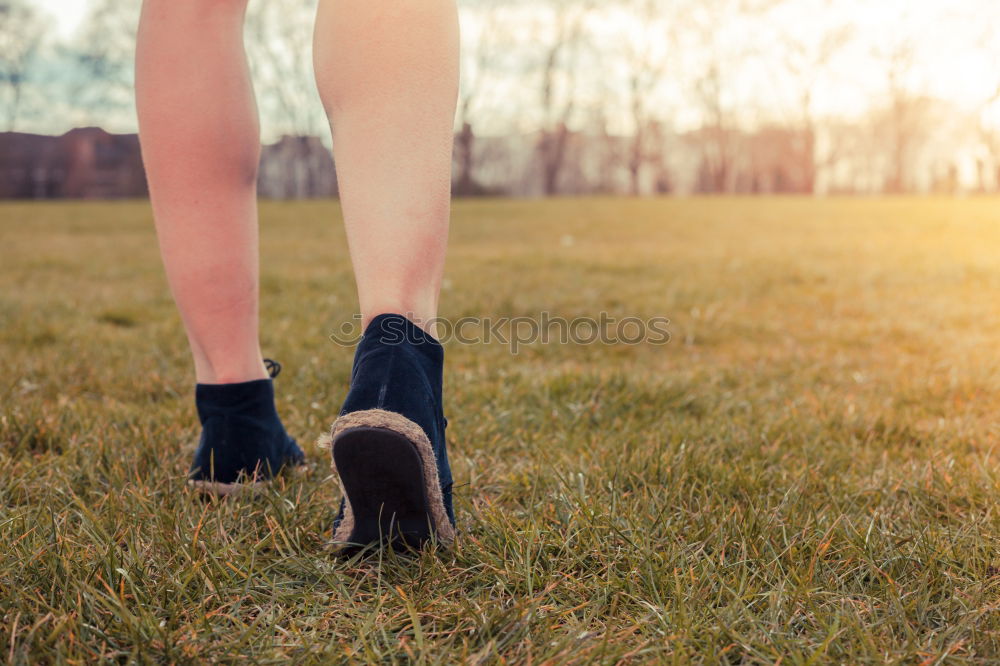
(200,145)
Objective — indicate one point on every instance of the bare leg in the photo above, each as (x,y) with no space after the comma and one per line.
(387,71)
(200,143)
(388,76)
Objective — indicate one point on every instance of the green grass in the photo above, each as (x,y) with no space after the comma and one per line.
(807,472)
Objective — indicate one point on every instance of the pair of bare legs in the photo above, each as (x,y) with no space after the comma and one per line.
(387,72)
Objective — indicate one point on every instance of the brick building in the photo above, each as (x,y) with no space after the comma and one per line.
(89,163)
(84,163)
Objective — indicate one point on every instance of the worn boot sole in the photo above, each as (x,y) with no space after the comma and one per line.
(389,477)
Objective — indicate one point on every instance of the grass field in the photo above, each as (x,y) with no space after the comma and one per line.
(806,473)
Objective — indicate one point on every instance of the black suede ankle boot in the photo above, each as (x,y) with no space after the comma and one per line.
(242,439)
(389,444)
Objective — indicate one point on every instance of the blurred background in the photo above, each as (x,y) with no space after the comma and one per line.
(631,97)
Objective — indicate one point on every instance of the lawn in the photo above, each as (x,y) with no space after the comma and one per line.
(807,472)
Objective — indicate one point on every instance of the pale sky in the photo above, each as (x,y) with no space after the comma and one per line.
(66,13)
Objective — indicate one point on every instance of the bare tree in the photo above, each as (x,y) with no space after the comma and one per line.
(22,29)
(716,137)
(558,73)
(718,133)
(989,108)
(903,118)
(991,140)
(103,49)
(645,52)
(297,165)
(718,65)
(806,61)
(481,51)
(282,68)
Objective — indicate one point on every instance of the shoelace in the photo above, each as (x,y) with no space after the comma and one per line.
(273,367)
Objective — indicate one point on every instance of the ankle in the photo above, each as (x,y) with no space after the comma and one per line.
(419,305)
(229,372)
(425,319)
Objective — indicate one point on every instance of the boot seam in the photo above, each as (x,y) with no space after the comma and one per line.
(387,375)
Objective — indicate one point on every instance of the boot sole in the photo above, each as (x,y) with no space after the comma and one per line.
(382,475)
(387,468)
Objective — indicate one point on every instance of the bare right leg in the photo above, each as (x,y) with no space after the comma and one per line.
(200,144)
(387,71)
